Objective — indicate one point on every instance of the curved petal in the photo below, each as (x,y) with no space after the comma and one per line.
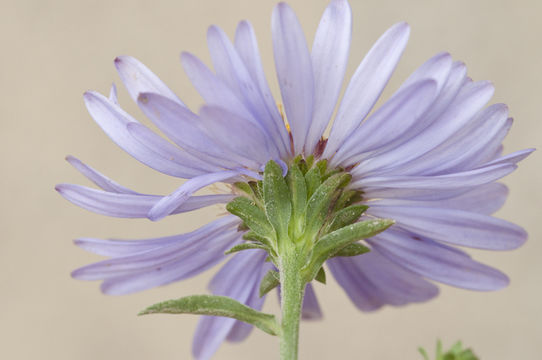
(113,121)
(329,58)
(130,205)
(294,72)
(371,281)
(388,123)
(167,204)
(367,84)
(453,226)
(230,68)
(137,78)
(97,178)
(437,262)
(247,47)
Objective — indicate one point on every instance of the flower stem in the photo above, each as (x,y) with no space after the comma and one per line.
(292,288)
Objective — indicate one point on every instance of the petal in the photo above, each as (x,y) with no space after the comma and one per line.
(311,309)
(484,199)
(213,90)
(113,95)
(437,262)
(169,203)
(118,248)
(453,226)
(247,48)
(512,158)
(438,182)
(237,280)
(97,178)
(388,123)
(367,84)
(155,143)
(230,68)
(129,205)
(137,78)
(471,99)
(465,144)
(184,128)
(113,121)
(371,281)
(329,58)
(294,72)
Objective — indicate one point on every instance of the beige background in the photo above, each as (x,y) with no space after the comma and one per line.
(52,51)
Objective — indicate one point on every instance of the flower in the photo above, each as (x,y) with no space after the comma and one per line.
(428,158)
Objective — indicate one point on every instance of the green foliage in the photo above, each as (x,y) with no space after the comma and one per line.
(270,281)
(216,306)
(456,352)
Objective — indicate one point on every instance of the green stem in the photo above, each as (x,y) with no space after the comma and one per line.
(292,289)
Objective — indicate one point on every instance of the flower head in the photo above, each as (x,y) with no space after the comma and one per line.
(428,158)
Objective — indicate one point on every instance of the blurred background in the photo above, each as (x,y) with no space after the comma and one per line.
(53,51)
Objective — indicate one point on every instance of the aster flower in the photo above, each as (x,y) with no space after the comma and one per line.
(428,158)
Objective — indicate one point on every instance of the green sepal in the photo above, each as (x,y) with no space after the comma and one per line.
(318,206)
(251,235)
(270,281)
(313,181)
(248,191)
(276,194)
(322,166)
(216,306)
(347,198)
(333,242)
(321,276)
(252,216)
(424,353)
(345,217)
(298,192)
(246,246)
(354,249)
(456,352)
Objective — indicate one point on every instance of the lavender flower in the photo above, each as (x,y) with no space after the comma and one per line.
(428,158)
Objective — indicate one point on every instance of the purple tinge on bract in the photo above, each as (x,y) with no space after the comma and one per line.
(429,158)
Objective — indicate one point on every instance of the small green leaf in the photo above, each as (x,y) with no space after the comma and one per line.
(252,216)
(320,202)
(216,306)
(246,246)
(345,217)
(270,281)
(278,206)
(298,191)
(322,166)
(321,276)
(333,242)
(354,249)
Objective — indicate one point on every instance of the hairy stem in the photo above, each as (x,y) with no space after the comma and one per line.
(292,288)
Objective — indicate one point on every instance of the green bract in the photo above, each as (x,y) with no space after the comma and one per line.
(310,210)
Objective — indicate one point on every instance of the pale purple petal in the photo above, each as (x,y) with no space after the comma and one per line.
(453,226)
(437,262)
(97,178)
(247,48)
(113,94)
(137,78)
(130,205)
(294,72)
(367,84)
(169,203)
(113,120)
(329,58)
(388,123)
(484,199)
(311,309)
(371,281)
(231,70)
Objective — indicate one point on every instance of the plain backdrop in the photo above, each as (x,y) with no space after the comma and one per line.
(53,51)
